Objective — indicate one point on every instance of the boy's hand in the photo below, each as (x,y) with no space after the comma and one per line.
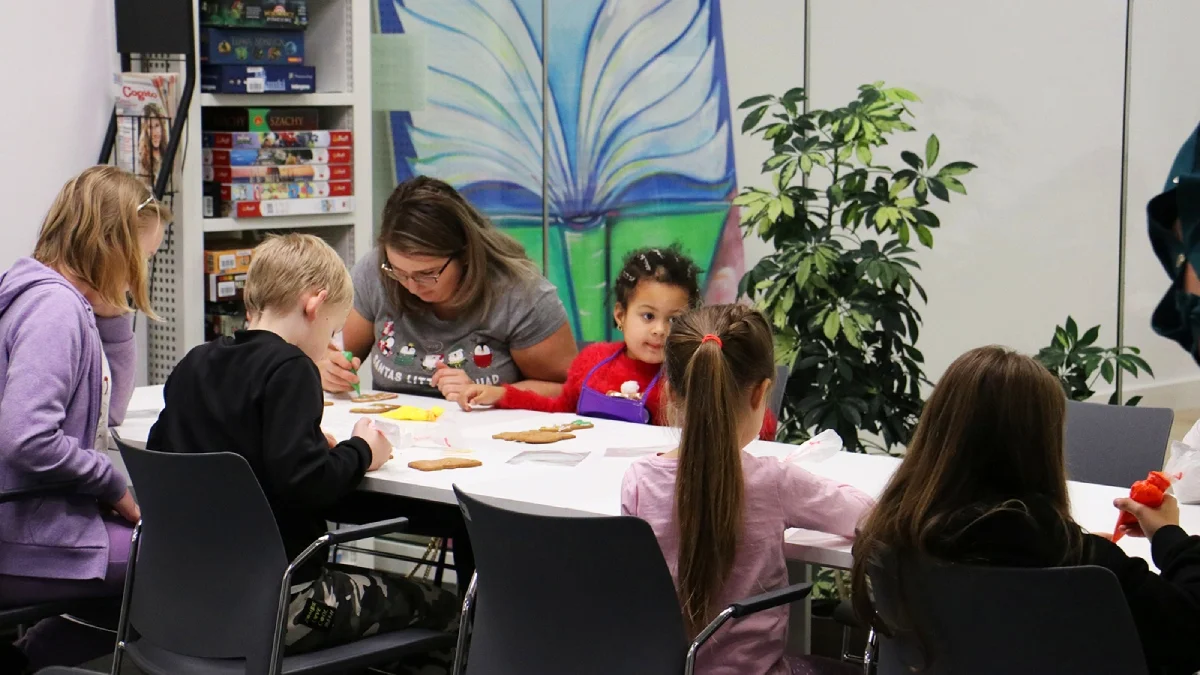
(337,374)
(381,447)
(329,439)
(127,508)
(1148,519)
(479,394)
(450,381)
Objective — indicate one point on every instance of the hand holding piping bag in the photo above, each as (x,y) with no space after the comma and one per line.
(357,387)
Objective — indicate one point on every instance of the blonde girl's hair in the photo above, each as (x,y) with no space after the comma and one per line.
(711,380)
(91,232)
(286,266)
(428,217)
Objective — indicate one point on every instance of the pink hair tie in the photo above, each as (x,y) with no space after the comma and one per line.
(712,338)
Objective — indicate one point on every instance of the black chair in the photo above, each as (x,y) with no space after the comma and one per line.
(779,389)
(1115,444)
(1005,620)
(58,670)
(209,589)
(586,596)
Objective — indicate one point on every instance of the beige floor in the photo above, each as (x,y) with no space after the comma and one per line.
(1184,419)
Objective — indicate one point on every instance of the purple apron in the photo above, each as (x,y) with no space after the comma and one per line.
(596,404)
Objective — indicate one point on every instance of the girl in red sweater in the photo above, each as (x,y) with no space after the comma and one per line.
(620,380)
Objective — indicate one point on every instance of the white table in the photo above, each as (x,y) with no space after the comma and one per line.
(593,487)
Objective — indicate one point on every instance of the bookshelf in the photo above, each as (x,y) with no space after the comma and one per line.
(338,39)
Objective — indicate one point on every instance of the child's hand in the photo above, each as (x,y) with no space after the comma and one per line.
(479,394)
(450,381)
(1148,519)
(329,439)
(337,374)
(381,447)
(127,508)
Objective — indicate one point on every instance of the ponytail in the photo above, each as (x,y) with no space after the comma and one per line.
(715,357)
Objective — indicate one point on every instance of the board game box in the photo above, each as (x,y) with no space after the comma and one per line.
(145,104)
(241,140)
(294,207)
(219,46)
(260,119)
(277,174)
(277,156)
(258,79)
(227,261)
(287,14)
(222,287)
(302,189)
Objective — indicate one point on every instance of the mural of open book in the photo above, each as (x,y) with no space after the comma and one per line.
(640,145)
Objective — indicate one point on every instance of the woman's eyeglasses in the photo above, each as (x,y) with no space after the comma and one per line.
(418,279)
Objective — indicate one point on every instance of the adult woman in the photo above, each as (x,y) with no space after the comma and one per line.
(66,375)
(446,299)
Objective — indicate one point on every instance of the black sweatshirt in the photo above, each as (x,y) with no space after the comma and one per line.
(1165,607)
(258,396)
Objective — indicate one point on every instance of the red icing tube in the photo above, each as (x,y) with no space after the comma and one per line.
(1149,492)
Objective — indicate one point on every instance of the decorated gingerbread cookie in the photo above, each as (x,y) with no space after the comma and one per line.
(373,397)
(444,463)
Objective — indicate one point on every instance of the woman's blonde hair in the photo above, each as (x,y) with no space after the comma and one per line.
(715,357)
(91,232)
(286,266)
(427,217)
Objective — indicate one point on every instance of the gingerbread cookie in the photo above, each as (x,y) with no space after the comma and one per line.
(444,463)
(328,403)
(374,409)
(536,437)
(569,427)
(373,397)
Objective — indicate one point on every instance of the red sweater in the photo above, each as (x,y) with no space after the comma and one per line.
(608,377)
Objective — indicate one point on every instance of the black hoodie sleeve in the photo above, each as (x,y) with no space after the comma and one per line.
(300,469)
(1166,607)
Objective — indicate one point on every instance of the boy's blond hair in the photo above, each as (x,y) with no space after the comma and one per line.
(286,266)
(91,232)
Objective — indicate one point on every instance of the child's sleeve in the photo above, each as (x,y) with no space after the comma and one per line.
(821,504)
(299,467)
(120,348)
(523,399)
(629,492)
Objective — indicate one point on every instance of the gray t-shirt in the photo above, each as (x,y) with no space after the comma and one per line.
(407,348)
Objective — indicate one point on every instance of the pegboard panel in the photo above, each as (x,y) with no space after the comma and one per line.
(164,337)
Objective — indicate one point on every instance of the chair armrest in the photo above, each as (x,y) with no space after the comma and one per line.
(366,531)
(770,599)
(46,490)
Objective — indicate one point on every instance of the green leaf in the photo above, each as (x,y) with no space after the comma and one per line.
(902,233)
(753,118)
(938,188)
(925,236)
(1112,399)
(1090,336)
(776,161)
(786,175)
(898,187)
(832,325)
(844,153)
(794,94)
(932,146)
(850,329)
(1106,371)
(1060,336)
(773,210)
(789,207)
(1072,330)
(755,100)
(803,270)
(748,198)
(775,130)
(911,159)
(956,169)
(1133,400)
(806,163)
(955,185)
(863,153)
(921,190)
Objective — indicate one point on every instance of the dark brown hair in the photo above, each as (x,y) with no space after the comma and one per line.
(427,217)
(990,438)
(711,383)
(664,265)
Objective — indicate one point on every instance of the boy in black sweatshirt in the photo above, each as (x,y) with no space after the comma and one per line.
(258,394)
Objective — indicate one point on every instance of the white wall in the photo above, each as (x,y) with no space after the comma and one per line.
(54,115)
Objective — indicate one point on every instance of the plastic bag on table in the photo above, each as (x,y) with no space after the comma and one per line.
(436,435)
(1183,466)
(818,448)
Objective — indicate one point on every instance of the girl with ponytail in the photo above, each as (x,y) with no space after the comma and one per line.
(718,512)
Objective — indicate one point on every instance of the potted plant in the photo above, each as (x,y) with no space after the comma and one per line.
(839,286)
(1078,363)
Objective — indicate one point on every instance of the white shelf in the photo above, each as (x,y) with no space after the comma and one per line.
(277,100)
(279,222)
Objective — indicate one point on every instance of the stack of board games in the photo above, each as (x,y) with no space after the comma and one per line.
(226,263)
(145,105)
(254,47)
(260,162)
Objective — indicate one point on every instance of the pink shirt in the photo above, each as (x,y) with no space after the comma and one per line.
(778,496)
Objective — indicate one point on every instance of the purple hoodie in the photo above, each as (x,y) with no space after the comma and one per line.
(50,384)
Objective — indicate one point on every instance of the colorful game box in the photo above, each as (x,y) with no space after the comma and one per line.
(227,261)
(277,174)
(282,139)
(277,156)
(145,104)
(260,119)
(294,207)
(303,189)
(223,287)
(287,14)
(258,79)
(240,47)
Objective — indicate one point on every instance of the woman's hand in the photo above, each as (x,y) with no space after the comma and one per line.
(127,508)
(479,394)
(1148,520)
(337,374)
(452,382)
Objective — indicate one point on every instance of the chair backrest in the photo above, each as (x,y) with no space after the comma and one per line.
(779,388)
(999,621)
(210,562)
(1115,444)
(587,596)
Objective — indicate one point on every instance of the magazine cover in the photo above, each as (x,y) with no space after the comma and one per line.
(145,105)
(277,156)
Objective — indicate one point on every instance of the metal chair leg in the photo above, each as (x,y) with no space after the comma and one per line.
(126,598)
(464,626)
(871,653)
